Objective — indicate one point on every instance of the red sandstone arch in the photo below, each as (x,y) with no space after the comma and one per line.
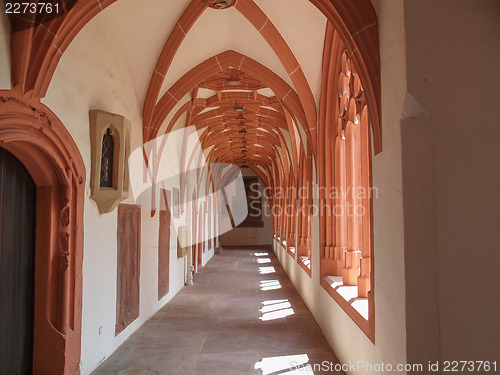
(40,141)
(355,21)
(219,62)
(208,140)
(175,39)
(227,101)
(263,24)
(357,24)
(216,64)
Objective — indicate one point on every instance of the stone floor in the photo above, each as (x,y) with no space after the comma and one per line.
(242,316)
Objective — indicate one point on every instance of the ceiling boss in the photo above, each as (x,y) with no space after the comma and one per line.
(219,4)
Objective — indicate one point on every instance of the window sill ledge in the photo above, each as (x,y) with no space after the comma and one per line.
(349,294)
(360,310)
(305,264)
(306,261)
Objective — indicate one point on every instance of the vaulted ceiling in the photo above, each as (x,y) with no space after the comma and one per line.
(248,77)
(235,76)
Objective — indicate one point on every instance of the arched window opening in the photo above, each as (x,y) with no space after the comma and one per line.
(346,262)
(107,159)
(110,148)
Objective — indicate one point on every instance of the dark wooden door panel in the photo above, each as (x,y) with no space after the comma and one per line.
(17,255)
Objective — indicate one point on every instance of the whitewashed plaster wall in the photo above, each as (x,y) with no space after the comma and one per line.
(450,139)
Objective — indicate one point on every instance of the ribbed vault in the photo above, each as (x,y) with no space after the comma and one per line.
(239,124)
(274,112)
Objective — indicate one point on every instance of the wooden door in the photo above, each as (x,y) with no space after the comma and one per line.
(17,258)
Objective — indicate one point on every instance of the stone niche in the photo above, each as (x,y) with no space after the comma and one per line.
(110,149)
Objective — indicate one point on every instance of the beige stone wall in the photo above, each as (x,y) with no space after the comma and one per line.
(453,61)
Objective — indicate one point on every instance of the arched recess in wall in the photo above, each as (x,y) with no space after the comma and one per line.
(346,238)
(41,142)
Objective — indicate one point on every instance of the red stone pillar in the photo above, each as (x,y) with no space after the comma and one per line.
(309,203)
(340,204)
(291,213)
(351,271)
(364,279)
(326,200)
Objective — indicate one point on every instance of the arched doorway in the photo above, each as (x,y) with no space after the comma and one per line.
(17,260)
(37,139)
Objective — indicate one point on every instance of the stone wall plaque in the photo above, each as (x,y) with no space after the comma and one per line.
(164,247)
(129,265)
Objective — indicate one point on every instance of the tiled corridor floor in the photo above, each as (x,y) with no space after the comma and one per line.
(242,316)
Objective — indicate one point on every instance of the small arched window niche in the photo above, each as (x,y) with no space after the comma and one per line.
(108,161)
(110,143)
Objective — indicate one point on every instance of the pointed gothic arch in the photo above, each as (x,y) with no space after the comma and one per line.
(33,134)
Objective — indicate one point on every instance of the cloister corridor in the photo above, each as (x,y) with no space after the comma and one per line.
(241,316)
(249,187)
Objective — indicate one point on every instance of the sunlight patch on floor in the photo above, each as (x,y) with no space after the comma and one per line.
(266,270)
(280,365)
(270,285)
(275,305)
(276,309)
(280,314)
(274,301)
(264,260)
(261,254)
